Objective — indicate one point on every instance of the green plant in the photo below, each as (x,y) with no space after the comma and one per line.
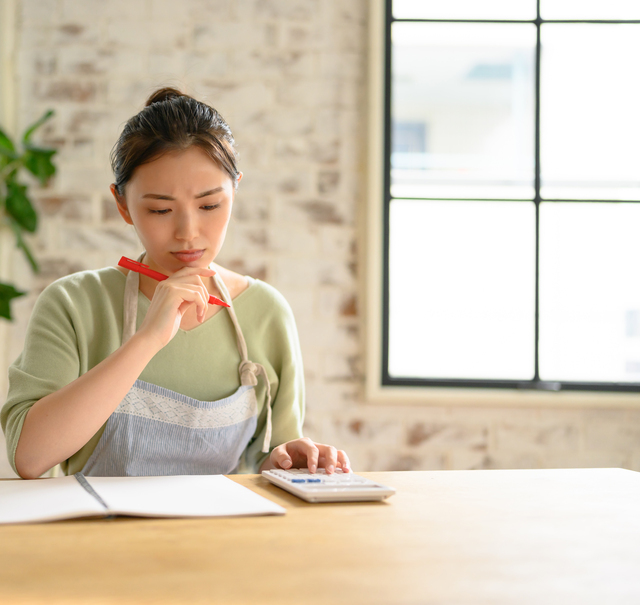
(16,210)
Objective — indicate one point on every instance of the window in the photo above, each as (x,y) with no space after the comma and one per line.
(511,195)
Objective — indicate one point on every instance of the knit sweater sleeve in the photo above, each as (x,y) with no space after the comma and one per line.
(61,343)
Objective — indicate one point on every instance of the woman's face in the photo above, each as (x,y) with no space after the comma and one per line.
(180,205)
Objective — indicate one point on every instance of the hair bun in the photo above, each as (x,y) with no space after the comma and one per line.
(164,94)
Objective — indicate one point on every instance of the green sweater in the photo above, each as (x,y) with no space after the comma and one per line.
(77,322)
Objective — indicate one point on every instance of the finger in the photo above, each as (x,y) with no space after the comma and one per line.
(330,456)
(343,461)
(280,457)
(312,457)
(190,293)
(195,279)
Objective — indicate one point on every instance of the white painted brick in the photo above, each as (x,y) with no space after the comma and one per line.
(328,336)
(294,10)
(76,32)
(337,367)
(147,34)
(232,97)
(217,35)
(166,64)
(200,11)
(130,92)
(274,63)
(312,272)
(39,13)
(205,65)
(301,36)
(37,38)
(82,10)
(610,430)
(329,397)
(294,239)
(168,11)
(447,436)
(351,13)
(349,65)
(330,300)
(307,92)
(125,10)
(364,429)
(88,238)
(311,211)
(555,436)
(337,241)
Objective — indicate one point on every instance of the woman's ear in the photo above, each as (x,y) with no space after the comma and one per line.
(121,204)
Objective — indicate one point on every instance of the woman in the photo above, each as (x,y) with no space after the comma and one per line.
(125,375)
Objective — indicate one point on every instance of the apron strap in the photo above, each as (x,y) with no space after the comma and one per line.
(130,310)
(248,370)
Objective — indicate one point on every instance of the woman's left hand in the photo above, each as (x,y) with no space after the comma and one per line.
(304,453)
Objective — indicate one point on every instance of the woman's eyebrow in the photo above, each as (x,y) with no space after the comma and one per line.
(210,192)
(160,196)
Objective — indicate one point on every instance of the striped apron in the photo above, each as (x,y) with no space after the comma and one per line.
(156,431)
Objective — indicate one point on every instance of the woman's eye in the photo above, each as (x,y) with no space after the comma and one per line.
(210,207)
(164,211)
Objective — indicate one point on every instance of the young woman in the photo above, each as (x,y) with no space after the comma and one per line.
(125,375)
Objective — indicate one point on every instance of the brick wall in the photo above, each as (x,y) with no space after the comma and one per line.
(289,76)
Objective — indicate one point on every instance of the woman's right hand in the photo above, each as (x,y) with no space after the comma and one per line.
(172,298)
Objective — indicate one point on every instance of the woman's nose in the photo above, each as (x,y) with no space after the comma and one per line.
(186,228)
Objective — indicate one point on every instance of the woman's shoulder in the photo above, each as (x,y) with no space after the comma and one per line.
(89,285)
(264,297)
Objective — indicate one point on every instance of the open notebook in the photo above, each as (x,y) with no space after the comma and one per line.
(173,496)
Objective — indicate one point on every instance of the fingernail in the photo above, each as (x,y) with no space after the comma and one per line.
(330,468)
(286,464)
(312,468)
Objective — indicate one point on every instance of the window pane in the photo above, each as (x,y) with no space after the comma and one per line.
(590,9)
(462,289)
(464,9)
(589,292)
(590,121)
(463,110)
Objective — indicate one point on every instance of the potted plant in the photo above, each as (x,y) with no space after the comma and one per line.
(16,210)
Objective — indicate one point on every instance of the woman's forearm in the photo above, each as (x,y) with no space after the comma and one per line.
(58,425)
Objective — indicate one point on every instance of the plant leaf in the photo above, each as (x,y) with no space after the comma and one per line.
(18,206)
(6,144)
(7,294)
(22,245)
(26,138)
(37,161)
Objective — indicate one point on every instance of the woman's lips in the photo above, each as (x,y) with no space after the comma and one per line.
(188,256)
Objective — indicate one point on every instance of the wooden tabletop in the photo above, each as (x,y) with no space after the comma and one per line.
(446,537)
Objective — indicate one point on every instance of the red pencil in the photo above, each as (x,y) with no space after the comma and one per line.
(134,265)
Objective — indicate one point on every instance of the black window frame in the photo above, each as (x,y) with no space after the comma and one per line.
(535,384)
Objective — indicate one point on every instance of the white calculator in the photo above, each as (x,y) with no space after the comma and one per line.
(322,487)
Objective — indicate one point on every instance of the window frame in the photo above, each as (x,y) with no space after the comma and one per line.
(379,386)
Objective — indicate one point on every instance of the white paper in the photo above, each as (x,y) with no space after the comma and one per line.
(181,496)
(45,500)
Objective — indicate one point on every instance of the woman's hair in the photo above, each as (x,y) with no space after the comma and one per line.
(172,121)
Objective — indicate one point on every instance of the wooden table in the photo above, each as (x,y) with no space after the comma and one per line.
(447,537)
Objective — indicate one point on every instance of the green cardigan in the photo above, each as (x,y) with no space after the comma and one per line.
(77,322)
